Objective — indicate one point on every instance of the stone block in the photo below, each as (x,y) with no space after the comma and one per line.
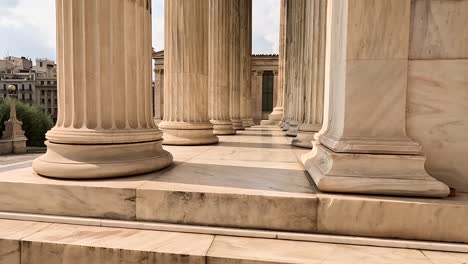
(10,234)
(227,207)
(437,117)
(25,191)
(60,244)
(232,250)
(376,29)
(403,218)
(438,29)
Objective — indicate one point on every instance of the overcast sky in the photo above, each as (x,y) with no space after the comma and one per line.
(27,27)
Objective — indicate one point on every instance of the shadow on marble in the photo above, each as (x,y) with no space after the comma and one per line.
(268,176)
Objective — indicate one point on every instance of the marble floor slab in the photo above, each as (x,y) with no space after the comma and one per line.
(38,243)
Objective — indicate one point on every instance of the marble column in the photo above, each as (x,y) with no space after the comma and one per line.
(314,69)
(257,77)
(186,119)
(105,123)
(288,65)
(158,95)
(245,38)
(234,66)
(218,67)
(297,72)
(363,146)
(278,112)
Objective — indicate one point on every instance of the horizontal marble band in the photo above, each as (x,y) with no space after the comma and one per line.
(185,125)
(107,136)
(350,240)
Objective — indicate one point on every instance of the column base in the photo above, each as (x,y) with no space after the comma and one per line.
(285,126)
(293,129)
(401,175)
(304,139)
(276,115)
(73,161)
(248,122)
(187,134)
(223,127)
(237,124)
(269,123)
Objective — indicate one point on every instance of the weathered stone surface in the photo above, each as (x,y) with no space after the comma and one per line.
(10,234)
(437,117)
(438,29)
(60,244)
(420,219)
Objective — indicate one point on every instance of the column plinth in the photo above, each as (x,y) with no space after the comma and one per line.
(105,125)
(218,67)
(363,147)
(315,34)
(186,119)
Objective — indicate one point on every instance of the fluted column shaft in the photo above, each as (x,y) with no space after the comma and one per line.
(234,66)
(218,66)
(278,111)
(288,67)
(245,9)
(298,60)
(186,119)
(314,68)
(158,94)
(104,92)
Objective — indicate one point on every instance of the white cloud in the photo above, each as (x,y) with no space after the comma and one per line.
(27,27)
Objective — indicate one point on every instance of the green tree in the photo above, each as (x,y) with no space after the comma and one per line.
(35,122)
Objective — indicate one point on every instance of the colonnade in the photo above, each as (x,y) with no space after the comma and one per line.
(337,75)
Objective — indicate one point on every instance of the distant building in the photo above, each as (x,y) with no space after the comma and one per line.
(35,84)
(46,86)
(18,72)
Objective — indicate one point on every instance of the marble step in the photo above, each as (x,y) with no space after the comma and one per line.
(24,242)
(215,201)
(170,199)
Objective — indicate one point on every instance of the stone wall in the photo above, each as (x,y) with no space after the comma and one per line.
(438,87)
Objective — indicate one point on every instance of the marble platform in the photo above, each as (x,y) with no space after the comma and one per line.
(27,242)
(253,180)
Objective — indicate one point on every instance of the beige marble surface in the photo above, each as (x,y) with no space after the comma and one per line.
(24,191)
(282,251)
(11,232)
(405,218)
(437,117)
(368,19)
(64,243)
(438,29)
(445,257)
(83,244)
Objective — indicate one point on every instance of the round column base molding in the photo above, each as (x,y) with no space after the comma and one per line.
(73,161)
(223,130)
(189,137)
(237,124)
(292,130)
(304,139)
(285,126)
(248,122)
(276,115)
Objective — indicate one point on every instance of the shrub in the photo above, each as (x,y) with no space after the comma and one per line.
(35,122)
